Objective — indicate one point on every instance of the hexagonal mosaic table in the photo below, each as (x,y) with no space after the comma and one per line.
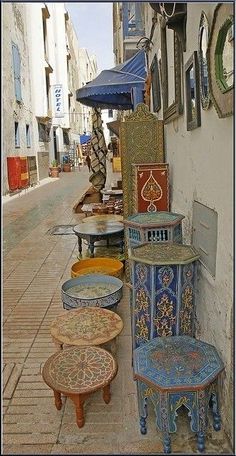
(152,227)
(175,371)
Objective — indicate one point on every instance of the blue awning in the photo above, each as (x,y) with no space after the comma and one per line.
(113,88)
(84,139)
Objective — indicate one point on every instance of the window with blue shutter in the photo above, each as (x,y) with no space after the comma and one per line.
(28,138)
(16,68)
(17,135)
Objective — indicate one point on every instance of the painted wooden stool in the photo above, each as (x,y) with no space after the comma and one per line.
(175,371)
(78,372)
(87,326)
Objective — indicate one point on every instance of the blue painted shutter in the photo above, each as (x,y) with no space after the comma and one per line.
(16,67)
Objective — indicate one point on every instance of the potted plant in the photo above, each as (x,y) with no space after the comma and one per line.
(66,164)
(54,169)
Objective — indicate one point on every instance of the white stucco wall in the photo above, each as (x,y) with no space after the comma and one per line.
(15,30)
(201,168)
(88,71)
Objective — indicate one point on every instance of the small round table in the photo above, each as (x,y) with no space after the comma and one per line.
(77,372)
(103,218)
(87,326)
(97,231)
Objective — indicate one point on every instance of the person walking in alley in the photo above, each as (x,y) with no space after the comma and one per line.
(88,161)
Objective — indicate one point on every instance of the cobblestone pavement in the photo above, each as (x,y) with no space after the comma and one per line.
(35,266)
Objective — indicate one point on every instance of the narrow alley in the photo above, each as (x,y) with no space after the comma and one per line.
(35,266)
(118,228)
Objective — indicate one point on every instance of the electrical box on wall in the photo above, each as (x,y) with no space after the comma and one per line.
(205,235)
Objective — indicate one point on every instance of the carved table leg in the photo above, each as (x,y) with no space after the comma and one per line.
(201,441)
(80,244)
(166,443)
(79,409)
(142,406)
(143,427)
(203,403)
(215,412)
(58,401)
(91,248)
(106,394)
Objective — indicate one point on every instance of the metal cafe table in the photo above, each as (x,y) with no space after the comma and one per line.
(97,231)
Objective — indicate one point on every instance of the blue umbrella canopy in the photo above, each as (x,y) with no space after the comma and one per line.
(113,88)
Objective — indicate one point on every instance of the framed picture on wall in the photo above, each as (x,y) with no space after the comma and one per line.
(193,109)
(156,92)
(171,59)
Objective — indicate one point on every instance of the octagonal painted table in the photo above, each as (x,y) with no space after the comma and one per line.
(87,326)
(98,231)
(163,291)
(78,372)
(175,371)
(161,226)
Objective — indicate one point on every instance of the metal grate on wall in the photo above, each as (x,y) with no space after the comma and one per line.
(205,221)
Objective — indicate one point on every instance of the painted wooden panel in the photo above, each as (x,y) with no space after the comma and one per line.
(151,187)
(142,141)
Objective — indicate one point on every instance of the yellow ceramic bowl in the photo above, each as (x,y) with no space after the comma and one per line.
(102,265)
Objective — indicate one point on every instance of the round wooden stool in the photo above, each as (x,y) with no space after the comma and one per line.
(78,372)
(87,326)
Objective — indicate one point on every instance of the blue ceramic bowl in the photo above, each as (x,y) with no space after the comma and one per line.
(93,290)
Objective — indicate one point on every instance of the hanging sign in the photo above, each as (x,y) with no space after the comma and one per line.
(58,100)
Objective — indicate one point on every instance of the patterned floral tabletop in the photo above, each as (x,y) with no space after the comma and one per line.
(79,370)
(164,254)
(86,326)
(103,218)
(98,228)
(156,218)
(177,362)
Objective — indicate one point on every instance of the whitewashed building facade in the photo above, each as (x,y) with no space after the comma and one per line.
(41,73)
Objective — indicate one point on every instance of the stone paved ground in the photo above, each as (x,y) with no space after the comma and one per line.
(35,266)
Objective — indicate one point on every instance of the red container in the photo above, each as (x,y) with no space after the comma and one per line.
(24,177)
(14,173)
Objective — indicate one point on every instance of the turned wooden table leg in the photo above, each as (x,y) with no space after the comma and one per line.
(79,409)
(58,401)
(106,394)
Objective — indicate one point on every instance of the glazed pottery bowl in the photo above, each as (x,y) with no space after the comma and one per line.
(93,290)
(108,266)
